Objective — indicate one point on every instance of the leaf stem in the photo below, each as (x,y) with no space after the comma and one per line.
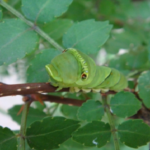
(33,25)
(111,122)
(23,126)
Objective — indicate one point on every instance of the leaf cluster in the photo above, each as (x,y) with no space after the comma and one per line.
(34,32)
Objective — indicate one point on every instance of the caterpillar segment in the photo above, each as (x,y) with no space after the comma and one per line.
(78,71)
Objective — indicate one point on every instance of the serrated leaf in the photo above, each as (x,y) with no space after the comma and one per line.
(50,132)
(55,29)
(33,115)
(124,104)
(8,140)
(17,40)
(44,10)
(1,13)
(134,133)
(91,110)
(36,71)
(87,36)
(144,87)
(69,111)
(73,145)
(96,134)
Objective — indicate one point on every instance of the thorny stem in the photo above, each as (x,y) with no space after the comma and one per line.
(35,27)
(111,122)
(23,126)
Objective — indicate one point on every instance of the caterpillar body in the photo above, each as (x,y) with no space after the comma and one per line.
(78,71)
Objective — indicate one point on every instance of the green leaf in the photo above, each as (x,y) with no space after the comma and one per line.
(50,132)
(91,110)
(87,36)
(44,10)
(73,145)
(124,104)
(144,87)
(96,134)
(36,71)
(134,133)
(33,115)
(17,40)
(1,14)
(8,140)
(55,29)
(69,111)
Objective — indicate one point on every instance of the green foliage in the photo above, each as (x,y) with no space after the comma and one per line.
(1,14)
(37,63)
(30,37)
(125,104)
(134,133)
(90,111)
(69,111)
(56,130)
(144,87)
(138,10)
(15,31)
(73,145)
(85,34)
(44,11)
(57,27)
(125,39)
(96,134)
(131,60)
(8,140)
(34,114)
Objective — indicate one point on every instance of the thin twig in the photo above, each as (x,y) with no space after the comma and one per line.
(111,122)
(23,126)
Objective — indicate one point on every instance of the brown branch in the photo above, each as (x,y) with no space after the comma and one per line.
(35,90)
(51,98)
(27,88)
(32,92)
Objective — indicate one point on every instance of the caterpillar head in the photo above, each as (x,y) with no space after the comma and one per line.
(71,68)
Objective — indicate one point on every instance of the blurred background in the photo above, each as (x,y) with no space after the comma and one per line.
(128,48)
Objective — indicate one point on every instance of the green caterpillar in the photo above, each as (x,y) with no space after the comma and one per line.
(78,71)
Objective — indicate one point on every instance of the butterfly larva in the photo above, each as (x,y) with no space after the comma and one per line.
(78,71)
